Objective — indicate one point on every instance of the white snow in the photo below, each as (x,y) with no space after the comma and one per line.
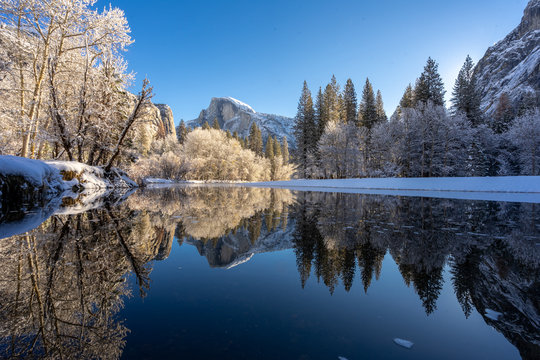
(404,343)
(35,172)
(90,176)
(240,104)
(493,315)
(158,181)
(502,188)
(240,261)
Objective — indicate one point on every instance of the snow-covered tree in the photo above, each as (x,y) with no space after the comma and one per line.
(484,152)
(524,134)
(386,149)
(214,157)
(435,144)
(66,61)
(340,150)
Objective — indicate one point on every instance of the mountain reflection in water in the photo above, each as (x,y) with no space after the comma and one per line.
(63,284)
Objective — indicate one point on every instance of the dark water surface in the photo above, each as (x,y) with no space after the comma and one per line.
(246,273)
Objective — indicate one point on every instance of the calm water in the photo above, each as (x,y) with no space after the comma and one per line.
(235,273)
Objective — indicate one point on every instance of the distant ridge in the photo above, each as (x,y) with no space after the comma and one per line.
(235,115)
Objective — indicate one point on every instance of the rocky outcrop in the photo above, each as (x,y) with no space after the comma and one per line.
(512,66)
(158,120)
(167,119)
(235,116)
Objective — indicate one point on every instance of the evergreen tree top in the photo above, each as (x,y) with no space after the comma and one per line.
(466,97)
(367,114)
(429,86)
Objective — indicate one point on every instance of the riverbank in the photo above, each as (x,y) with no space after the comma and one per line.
(501,188)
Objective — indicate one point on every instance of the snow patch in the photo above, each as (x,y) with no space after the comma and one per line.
(493,315)
(240,104)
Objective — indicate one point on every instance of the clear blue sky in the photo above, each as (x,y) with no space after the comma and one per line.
(260,52)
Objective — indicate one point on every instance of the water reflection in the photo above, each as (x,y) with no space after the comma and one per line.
(63,284)
(490,248)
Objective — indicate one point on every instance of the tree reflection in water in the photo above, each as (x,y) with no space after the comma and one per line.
(491,250)
(62,284)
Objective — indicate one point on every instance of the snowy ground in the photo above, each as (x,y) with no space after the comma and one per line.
(503,188)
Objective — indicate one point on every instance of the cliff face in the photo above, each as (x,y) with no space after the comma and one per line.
(512,66)
(167,119)
(234,115)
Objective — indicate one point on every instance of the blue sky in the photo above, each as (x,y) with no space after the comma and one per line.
(260,52)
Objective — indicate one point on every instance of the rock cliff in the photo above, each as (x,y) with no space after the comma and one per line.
(512,65)
(234,115)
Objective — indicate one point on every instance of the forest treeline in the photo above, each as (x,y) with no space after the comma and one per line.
(341,137)
(63,96)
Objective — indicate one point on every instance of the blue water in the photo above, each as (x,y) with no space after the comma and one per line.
(232,273)
(259,310)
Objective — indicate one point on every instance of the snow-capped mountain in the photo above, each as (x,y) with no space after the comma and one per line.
(237,248)
(234,115)
(512,65)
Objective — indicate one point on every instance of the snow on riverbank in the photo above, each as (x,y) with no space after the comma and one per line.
(503,188)
(32,190)
(91,177)
(58,176)
(36,173)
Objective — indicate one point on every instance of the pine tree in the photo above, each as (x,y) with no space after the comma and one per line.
(254,140)
(206,126)
(304,127)
(277,148)
(350,103)
(429,86)
(406,102)
(368,111)
(503,114)
(215,124)
(465,95)
(331,100)
(269,148)
(379,107)
(181,132)
(235,135)
(229,135)
(285,151)
(320,120)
